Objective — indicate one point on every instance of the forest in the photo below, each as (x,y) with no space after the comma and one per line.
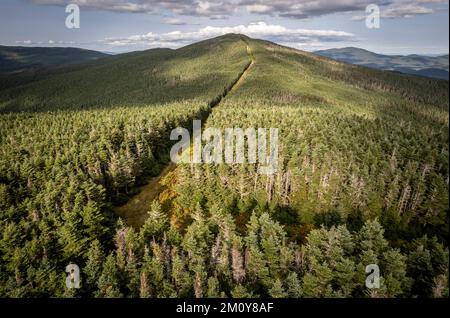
(363,178)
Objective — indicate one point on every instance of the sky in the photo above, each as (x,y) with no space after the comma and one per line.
(116,26)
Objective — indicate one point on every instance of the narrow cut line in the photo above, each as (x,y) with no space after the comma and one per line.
(135,211)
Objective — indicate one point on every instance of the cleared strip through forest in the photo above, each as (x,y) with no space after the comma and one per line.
(135,211)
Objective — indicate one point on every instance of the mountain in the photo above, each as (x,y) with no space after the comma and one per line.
(14,59)
(163,75)
(137,78)
(359,167)
(429,66)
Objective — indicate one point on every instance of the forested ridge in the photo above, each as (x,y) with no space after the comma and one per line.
(362,178)
(19,59)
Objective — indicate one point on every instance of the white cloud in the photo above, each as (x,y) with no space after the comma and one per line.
(174,21)
(47,43)
(258,8)
(26,42)
(404,9)
(215,9)
(262,30)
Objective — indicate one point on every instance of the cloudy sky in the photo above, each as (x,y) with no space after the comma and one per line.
(407,26)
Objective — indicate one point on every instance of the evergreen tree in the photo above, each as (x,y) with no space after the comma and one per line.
(293,286)
(93,268)
(156,224)
(240,291)
(277,291)
(108,282)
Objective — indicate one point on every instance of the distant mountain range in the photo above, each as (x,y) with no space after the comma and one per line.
(15,59)
(429,66)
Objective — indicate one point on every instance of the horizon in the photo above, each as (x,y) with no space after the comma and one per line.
(228,34)
(406,26)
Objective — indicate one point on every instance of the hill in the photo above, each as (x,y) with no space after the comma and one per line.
(429,66)
(361,178)
(138,78)
(16,59)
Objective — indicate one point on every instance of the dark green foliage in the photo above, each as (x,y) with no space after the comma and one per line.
(193,73)
(362,178)
(15,59)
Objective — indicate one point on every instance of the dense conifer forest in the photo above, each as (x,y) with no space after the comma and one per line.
(362,178)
